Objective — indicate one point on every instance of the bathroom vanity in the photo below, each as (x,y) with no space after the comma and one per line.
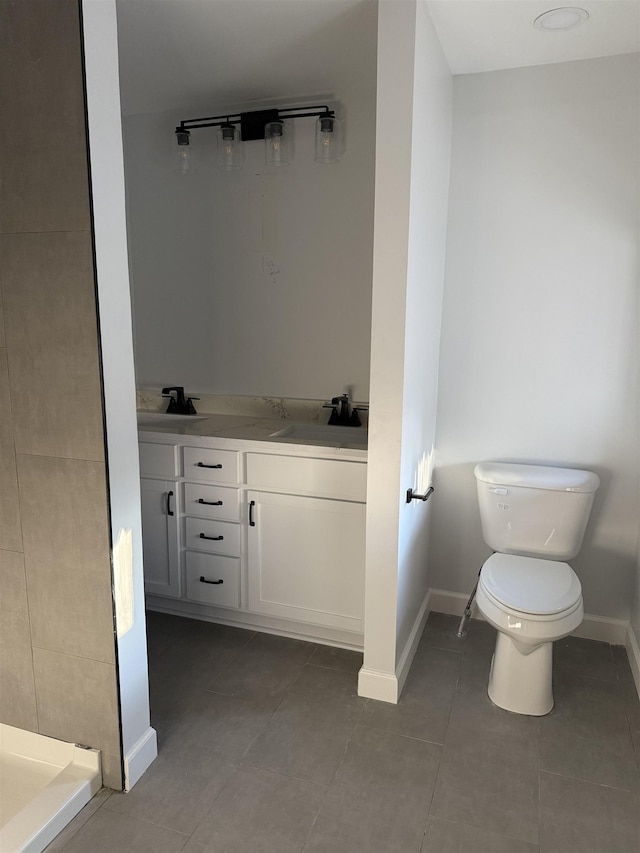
(253,530)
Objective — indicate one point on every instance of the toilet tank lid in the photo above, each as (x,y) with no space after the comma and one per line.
(537,477)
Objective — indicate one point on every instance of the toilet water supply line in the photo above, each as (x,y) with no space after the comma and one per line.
(461,632)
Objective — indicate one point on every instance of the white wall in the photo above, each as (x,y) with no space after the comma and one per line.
(412,166)
(540,323)
(114,308)
(430,162)
(256,282)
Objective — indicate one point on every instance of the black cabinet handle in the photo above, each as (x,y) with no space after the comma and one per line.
(202,465)
(204,580)
(209,503)
(212,538)
(251,521)
(169,510)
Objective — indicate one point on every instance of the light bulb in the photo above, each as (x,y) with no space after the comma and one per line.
(230,152)
(277,149)
(182,155)
(326,140)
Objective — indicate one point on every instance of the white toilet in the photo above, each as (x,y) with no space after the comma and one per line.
(533,517)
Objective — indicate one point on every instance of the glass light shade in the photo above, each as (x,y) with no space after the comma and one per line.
(182,155)
(277,142)
(327,140)
(230,153)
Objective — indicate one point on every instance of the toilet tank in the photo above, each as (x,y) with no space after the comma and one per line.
(534,510)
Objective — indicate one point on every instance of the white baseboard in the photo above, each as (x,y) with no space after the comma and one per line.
(445,601)
(602,628)
(406,658)
(382,686)
(633,651)
(614,631)
(385,686)
(140,757)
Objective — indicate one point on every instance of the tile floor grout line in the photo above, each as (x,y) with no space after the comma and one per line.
(401,734)
(315,820)
(433,794)
(504,835)
(333,668)
(589,781)
(142,820)
(211,804)
(236,656)
(244,767)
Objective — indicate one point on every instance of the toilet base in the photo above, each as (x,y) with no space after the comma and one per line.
(521,683)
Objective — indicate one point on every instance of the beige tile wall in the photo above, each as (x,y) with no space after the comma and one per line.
(57,661)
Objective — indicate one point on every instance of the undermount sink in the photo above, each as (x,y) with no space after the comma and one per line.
(324,433)
(162,419)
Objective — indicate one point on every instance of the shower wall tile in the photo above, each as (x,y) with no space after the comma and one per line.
(10,532)
(77,702)
(43,168)
(17,690)
(56,603)
(52,341)
(14,610)
(66,547)
(3,341)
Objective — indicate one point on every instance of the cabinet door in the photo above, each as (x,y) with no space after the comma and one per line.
(160,537)
(306,559)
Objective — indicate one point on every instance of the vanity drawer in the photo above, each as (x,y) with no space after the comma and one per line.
(217,537)
(212,466)
(158,460)
(300,475)
(212,579)
(211,502)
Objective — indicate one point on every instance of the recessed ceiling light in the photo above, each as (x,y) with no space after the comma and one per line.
(565,18)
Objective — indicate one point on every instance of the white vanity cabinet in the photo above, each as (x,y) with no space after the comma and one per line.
(306,546)
(306,559)
(160,513)
(257,535)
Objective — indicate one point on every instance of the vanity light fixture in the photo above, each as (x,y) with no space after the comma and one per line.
(564,18)
(271,125)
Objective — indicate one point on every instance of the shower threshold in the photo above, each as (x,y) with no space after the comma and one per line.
(43,785)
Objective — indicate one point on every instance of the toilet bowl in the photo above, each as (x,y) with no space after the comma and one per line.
(531,603)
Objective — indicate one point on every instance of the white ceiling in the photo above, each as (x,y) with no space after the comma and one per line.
(214,54)
(485,35)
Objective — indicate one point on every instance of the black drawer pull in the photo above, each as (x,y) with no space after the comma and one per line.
(169,510)
(204,580)
(202,465)
(251,521)
(209,503)
(212,538)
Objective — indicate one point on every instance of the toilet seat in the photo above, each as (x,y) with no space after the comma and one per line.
(540,589)
(504,618)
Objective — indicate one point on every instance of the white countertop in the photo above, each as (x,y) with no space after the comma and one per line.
(238,431)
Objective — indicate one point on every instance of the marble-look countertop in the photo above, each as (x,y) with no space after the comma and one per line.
(240,428)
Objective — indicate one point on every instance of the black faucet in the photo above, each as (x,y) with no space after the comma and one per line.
(343,416)
(178,405)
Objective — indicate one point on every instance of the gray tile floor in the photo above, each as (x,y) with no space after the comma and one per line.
(266,748)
